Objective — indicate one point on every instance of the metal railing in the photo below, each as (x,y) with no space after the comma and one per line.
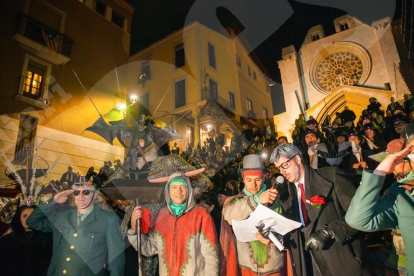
(206,94)
(44,35)
(33,89)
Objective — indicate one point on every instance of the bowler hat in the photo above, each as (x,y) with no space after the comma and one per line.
(252,162)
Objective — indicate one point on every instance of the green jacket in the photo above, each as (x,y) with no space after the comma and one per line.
(368,212)
(81,250)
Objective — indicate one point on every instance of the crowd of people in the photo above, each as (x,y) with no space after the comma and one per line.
(192,235)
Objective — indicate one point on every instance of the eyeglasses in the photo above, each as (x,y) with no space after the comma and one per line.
(285,165)
(85,192)
(399,124)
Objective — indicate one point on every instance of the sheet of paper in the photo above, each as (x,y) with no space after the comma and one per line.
(245,230)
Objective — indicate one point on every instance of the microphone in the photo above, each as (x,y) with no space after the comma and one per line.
(279,180)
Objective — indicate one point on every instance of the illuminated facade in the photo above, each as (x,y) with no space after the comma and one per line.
(330,72)
(43,42)
(210,84)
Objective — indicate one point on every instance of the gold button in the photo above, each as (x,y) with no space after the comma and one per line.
(75,235)
(92,237)
(72,247)
(67,259)
(64,271)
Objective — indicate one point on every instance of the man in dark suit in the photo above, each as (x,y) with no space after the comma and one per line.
(85,237)
(312,156)
(325,245)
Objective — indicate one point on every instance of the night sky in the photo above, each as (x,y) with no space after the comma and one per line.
(288,23)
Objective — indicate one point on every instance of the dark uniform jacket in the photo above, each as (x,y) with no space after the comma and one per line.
(81,250)
(344,256)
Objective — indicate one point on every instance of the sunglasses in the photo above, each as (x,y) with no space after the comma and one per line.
(85,192)
(399,124)
(285,165)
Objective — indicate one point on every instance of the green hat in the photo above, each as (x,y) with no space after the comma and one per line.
(179,180)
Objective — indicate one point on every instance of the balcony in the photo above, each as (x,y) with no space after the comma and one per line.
(42,41)
(206,94)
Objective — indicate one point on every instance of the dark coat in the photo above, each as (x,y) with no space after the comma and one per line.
(344,256)
(366,151)
(26,253)
(81,250)
(321,161)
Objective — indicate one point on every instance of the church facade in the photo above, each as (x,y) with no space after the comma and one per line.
(347,68)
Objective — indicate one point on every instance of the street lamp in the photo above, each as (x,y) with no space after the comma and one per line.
(133,99)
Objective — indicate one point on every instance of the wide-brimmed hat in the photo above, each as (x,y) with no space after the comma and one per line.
(252,162)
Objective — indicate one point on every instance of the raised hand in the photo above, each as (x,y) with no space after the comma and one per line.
(269,196)
(390,161)
(61,197)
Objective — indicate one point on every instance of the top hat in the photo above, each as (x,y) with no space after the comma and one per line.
(399,117)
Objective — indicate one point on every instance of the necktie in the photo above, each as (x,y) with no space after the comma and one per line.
(79,220)
(302,203)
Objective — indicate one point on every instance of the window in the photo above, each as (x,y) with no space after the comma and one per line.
(254,75)
(343,26)
(265,113)
(315,37)
(249,105)
(232,103)
(118,20)
(180,94)
(100,8)
(238,61)
(213,90)
(145,72)
(211,56)
(179,55)
(249,70)
(25,137)
(34,81)
(144,104)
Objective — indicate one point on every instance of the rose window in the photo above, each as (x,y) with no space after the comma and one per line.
(341,68)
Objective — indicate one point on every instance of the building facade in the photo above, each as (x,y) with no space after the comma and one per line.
(43,43)
(202,82)
(347,68)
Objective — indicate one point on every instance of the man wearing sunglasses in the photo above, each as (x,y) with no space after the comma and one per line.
(85,237)
(325,245)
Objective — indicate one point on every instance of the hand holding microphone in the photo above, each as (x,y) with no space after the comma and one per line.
(269,196)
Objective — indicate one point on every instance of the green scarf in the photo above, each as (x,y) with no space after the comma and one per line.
(256,196)
(177,209)
(259,249)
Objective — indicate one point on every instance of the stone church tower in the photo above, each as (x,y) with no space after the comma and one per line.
(330,72)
